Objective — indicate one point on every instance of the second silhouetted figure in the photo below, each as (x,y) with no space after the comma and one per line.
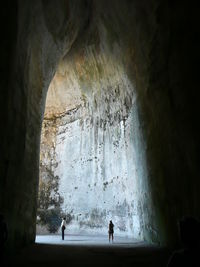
(111,231)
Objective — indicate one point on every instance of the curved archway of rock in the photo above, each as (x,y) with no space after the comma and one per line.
(93,162)
(141,41)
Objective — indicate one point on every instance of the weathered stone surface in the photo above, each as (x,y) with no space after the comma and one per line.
(92,142)
(155,43)
(94,158)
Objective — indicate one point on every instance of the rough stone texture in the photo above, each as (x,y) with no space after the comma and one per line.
(159,50)
(94,157)
(36,47)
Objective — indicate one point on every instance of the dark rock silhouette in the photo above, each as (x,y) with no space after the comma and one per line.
(189,229)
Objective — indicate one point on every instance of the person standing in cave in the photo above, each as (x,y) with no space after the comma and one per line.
(63,226)
(111,230)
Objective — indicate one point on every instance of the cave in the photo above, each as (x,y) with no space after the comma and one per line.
(133,69)
(92,154)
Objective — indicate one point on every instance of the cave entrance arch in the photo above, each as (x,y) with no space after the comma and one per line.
(92,160)
(147,35)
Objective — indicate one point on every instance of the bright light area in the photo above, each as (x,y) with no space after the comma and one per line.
(86,240)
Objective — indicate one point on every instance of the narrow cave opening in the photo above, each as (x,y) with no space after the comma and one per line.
(92,155)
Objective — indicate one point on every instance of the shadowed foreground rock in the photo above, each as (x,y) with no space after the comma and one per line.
(83,256)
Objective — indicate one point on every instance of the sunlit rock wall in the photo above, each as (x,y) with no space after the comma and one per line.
(97,172)
(91,144)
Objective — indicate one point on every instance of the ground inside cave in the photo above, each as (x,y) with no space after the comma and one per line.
(82,250)
(85,240)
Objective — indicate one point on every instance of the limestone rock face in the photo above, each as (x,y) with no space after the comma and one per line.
(90,143)
(135,70)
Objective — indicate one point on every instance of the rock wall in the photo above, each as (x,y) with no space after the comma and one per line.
(90,144)
(157,47)
(31,50)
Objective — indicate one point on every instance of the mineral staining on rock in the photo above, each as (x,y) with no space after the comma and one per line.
(89,143)
(49,199)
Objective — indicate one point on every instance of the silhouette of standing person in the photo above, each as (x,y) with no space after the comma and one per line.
(3,236)
(63,226)
(188,256)
(111,230)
